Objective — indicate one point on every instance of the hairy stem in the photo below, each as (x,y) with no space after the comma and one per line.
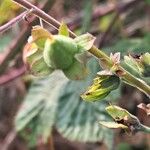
(127,77)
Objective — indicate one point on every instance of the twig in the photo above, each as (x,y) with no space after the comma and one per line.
(13,21)
(12,75)
(8,140)
(38,12)
(126,76)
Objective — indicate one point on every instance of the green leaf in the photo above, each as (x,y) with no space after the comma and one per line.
(40,68)
(38,111)
(131,63)
(117,113)
(77,71)
(63,30)
(84,42)
(34,61)
(113,125)
(77,119)
(39,36)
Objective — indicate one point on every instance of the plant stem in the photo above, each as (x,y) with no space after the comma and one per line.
(145,128)
(127,77)
(41,14)
(11,75)
(12,22)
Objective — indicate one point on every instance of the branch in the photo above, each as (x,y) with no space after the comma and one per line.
(8,140)
(145,129)
(12,75)
(126,76)
(12,22)
(41,14)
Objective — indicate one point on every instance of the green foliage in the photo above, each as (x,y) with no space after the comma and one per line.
(140,65)
(122,119)
(131,46)
(80,121)
(38,111)
(56,101)
(45,53)
(33,52)
(84,42)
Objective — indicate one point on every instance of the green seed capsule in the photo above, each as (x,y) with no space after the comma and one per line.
(59,53)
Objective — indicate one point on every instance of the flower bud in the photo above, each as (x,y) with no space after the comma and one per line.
(102,86)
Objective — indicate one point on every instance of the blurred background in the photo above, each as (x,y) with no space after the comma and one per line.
(49,112)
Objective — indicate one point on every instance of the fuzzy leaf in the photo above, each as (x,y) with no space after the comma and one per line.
(37,113)
(77,119)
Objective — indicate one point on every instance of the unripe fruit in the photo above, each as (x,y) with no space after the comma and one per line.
(59,52)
